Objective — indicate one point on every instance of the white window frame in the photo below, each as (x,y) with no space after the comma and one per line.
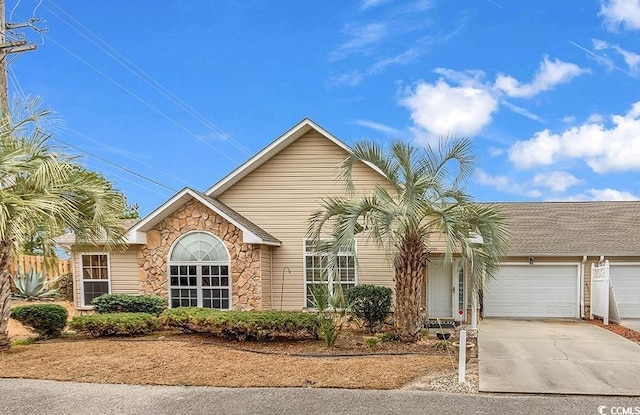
(198,264)
(83,280)
(330,280)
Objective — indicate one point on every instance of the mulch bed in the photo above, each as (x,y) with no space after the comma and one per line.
(618,329)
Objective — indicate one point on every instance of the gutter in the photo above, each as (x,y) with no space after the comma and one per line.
(582,282)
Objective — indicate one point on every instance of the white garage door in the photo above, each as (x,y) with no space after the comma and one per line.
(625,280)
(533,291)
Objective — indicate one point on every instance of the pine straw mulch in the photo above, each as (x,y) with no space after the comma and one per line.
(171,358)
(618,329)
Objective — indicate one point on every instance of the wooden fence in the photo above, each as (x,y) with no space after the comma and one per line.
(24,262)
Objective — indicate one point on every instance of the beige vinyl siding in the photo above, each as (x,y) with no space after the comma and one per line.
(280,196)
(123,271)
(265,276)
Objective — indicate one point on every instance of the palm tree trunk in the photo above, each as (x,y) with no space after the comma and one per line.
(409,272)
(5,294)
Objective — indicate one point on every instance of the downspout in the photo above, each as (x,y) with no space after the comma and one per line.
(271,276)
(582,282)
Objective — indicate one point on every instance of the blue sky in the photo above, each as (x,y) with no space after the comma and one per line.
(183,92)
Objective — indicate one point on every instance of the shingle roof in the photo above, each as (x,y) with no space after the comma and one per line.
(574,228)
(264,235)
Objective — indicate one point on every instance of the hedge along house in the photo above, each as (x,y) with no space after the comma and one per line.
(242,245)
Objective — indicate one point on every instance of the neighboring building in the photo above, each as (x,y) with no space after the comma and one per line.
(242,245)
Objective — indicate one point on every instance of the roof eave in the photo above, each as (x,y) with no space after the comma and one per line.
(179,200)
(274,148)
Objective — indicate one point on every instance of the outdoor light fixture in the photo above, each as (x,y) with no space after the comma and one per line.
(530,260)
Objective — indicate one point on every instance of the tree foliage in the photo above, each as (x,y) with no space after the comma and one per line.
(46,192)
(424,196)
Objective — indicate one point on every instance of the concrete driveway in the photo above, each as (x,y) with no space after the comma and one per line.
(556,356)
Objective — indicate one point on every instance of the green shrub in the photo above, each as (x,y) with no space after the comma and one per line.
(388,336)
(333,309)
(33,285)
(115,324)
(241,325)
(47,320)
(371,304)
(371,342)
(64,287)
(122,303)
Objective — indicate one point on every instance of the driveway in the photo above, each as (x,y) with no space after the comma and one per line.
(556,356)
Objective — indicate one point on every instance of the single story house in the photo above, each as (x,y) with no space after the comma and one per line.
(242,244)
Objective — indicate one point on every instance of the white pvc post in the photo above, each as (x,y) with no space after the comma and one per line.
(474,310)
(462,358)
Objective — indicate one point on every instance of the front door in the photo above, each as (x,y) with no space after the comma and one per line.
(440,290)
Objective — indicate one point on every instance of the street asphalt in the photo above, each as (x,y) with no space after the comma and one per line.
(556,356)
(21,396)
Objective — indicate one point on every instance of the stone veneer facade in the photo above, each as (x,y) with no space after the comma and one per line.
(246,288)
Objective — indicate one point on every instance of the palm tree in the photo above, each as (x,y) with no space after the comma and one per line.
(45,192)
(423,196)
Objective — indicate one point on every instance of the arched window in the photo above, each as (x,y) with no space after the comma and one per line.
(199,272)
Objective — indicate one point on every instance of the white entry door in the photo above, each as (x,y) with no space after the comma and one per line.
(440,290)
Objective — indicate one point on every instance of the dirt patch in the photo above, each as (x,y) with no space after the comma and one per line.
(618,329)
(190,360)
(172,358)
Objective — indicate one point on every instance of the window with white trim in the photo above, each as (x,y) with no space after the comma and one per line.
(199,272)
(318,272)
(96,278)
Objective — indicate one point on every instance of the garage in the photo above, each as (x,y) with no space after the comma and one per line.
(625,281)
(533,291)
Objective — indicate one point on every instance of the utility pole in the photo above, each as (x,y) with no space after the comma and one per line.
(8,46)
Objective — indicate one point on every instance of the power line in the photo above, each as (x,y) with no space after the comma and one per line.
(157,183)
(144,76)
(134,95)
(16,84)
(122,153)
(111,174)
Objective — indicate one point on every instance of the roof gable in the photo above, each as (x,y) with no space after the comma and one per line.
(251,233)
(271,150)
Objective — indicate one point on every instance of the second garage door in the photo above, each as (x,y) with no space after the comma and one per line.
(533,291)
(625,280)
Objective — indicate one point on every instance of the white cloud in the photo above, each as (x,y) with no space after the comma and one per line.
(549,74)
(631,59)
(603,60)
(556,181)
(361,38)
(599,44)
(621,13)
(469,77)
(378,127)
(506,184)
(354,78)
(595,118)
(522,111)
(495,152)
(440,109)
(604,148)
(369,4)
(569,119)
(606,194)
